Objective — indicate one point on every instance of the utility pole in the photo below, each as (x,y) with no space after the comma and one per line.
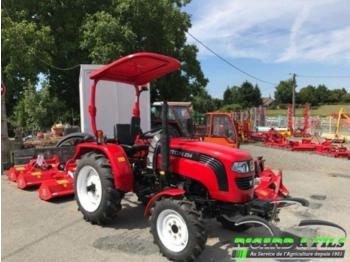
(5,143)
(293,98)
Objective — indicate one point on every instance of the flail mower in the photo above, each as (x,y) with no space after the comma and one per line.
(36,165)
(54,178)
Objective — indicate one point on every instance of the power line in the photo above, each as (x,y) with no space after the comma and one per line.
(228,62)
(57,67)
(39,58)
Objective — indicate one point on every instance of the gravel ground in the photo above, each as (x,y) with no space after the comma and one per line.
(300,161)
(33,230)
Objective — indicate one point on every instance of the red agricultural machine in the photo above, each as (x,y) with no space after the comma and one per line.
(313,144)
(181,180)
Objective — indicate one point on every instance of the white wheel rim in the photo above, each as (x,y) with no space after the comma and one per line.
(89,188)
(172,230)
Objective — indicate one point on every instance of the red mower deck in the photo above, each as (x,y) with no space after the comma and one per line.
(53,181)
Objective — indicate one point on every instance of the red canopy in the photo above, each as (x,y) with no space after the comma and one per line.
(137,69)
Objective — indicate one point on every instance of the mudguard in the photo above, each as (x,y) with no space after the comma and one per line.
(173,192)
(121,168)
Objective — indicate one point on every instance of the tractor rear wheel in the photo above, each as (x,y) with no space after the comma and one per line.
(95,193)
(229,224)
(178,229)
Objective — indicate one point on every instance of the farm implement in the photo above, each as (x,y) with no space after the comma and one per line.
(53,178)
(180,180)
(276,140)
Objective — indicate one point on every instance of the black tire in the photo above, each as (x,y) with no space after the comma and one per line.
(73,139)
(197,235)
(228,224)
(111,197)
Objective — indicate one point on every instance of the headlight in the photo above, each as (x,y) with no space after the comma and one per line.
(243,167)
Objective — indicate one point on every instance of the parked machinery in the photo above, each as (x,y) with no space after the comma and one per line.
(219,128)
(179,118)
(338,137)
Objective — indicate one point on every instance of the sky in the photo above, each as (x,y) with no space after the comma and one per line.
(271,39)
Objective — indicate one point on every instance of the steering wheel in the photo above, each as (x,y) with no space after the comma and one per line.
(151,133)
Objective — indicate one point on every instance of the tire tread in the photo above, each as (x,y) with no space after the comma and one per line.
(110,204)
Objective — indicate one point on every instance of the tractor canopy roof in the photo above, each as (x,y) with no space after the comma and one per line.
(137,69)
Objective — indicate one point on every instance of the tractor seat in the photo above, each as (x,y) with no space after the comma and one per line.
(123,133)
(126,133)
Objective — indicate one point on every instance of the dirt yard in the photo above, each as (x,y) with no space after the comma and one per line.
(33,230)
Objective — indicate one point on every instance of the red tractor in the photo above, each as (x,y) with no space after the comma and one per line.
(181,180)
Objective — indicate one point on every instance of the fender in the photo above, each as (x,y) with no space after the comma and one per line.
(121,168)
(173,192)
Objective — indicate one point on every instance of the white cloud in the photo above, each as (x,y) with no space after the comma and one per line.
(275,31)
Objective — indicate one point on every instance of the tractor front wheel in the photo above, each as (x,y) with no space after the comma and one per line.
(178,229)
(95,193)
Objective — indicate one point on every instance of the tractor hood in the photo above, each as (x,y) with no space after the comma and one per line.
(220,152)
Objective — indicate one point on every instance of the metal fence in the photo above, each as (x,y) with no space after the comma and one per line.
(317,125)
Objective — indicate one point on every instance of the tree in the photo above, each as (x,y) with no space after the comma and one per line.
(203,103)
(227,95)
(231,95)
(64,34)
(105,37)
(346,98)
(249,95)
(37,110)
(153,26)
(309,94)
(322,93)
(231,108)
(336,95)
(64,18)
(245,95)
(218,103)
(284,92)
(24,45)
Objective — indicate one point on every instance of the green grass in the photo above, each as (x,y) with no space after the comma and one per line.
(324,110)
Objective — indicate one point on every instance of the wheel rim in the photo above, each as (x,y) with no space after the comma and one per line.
(172,230)
(89,189)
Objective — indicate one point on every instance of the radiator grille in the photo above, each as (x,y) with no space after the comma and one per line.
(245,183)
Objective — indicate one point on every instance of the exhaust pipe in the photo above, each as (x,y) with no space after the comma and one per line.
(164,146)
